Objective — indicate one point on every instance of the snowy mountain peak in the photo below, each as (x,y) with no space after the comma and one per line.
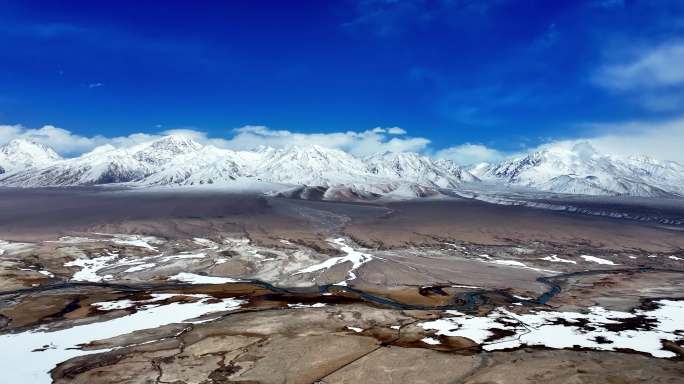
(581,169)
(314,152)
(165,149)
(20,154)
(176,143)
(18,147)
(456,170)
(311,165)
(410,166)
(170,145)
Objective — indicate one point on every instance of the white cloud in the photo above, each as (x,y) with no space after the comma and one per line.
(64,141)
(396,131)
(470,154)
(95,85)
(357,143)
(248,137)
(661,140)
(659,67)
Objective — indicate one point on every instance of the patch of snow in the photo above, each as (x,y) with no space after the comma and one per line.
(676,258)
(301,305)
(356,258)
(597,260)
(466,286)
(430,340)
(89,268)
(7,247)
(200,279)
(73,240)
(205,243)
(512,263)
(556,259)
(125,303)
(355,329)
(112,305)
(522,297)
(140,267)
(184,256)
(542,328)
(135,241)
(44,349)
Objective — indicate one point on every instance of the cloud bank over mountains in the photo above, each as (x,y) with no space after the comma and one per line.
(660,140)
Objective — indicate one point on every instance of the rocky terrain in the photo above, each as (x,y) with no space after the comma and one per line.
(209,287)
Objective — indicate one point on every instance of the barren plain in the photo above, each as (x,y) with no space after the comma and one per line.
(117,286)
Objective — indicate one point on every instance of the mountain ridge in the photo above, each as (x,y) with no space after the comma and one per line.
(177,160)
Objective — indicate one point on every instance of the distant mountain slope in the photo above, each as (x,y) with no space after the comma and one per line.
(313,166)
(418,169)
(582,170)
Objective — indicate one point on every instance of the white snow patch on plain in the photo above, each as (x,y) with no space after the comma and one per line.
(140,267)
(73,240)
(205,243)
(522,297)
(597,260)
(89,268)
(430,340)
(42,272)
(355,329)
(192,278)
(556,259)
(537,328)
(302,305)
(200,255)
(356,258)
(126,303)
(20,364)
(135,241)
(7,247)
(466,286)
(112,305)
(676,258)
(512,263)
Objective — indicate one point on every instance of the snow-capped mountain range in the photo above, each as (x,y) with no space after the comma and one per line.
(330,173)
(580,169)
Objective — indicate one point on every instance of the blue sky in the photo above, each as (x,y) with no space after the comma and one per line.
(499,75)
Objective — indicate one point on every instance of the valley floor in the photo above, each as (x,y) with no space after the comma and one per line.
(105,286)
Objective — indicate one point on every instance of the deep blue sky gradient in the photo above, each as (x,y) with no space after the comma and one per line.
(503,73)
